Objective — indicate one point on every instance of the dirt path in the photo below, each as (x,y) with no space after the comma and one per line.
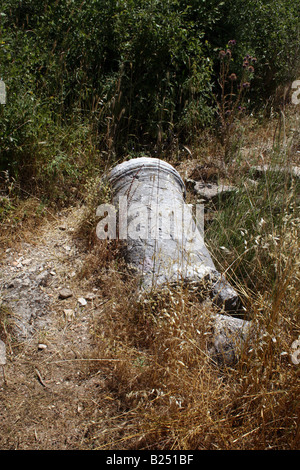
(46,397)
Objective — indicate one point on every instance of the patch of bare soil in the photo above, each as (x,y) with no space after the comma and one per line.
(48,400)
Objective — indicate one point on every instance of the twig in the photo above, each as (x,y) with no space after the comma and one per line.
(40,378)
(4,377)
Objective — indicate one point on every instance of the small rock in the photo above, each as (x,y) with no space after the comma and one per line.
(2,353)
(42,346)
(82,301)
(65,293)
(260,170)
(24,283)
(210,191)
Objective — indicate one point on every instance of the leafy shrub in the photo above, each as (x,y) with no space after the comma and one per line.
(268,30)
(138,74)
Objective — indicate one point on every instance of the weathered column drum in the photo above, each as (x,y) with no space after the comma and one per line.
(164,242)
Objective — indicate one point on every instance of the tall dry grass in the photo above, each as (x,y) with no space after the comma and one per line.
(160,388)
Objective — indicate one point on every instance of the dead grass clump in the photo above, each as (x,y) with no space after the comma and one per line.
(169,393)
(104,256)
(96,191)
(21,219)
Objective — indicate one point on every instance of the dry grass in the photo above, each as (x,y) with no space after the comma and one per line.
(168,394)
(163,390)
(145,379)
(21,219)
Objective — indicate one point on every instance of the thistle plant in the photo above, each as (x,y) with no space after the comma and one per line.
(233,89)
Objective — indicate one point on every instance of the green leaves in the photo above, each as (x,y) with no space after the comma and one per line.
(269,30)
(139,71)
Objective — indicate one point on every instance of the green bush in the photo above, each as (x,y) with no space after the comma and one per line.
(138,74)
(269,30)
(136,64)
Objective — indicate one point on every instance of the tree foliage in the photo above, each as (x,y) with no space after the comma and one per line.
(137,71)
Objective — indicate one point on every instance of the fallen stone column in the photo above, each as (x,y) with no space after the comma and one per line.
(163,241)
